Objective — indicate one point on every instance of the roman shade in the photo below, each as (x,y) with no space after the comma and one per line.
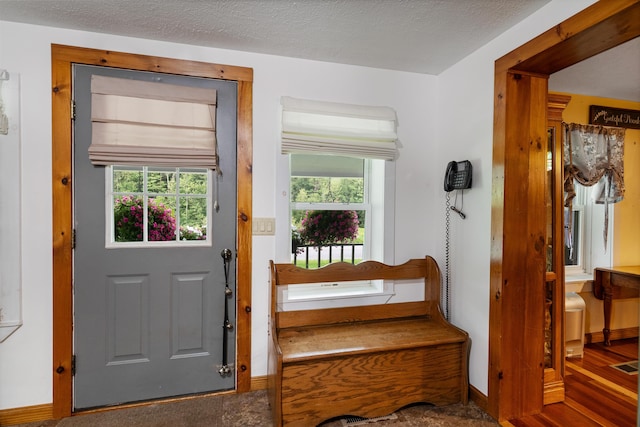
(317,127)
(149,123)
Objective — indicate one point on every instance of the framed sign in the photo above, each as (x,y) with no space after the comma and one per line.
(617,117)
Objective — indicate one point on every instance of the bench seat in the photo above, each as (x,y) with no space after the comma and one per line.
(319,342)
(364,361)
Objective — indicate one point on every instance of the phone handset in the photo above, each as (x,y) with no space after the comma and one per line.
(458,176)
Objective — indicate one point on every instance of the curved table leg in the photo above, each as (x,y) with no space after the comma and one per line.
(608,297)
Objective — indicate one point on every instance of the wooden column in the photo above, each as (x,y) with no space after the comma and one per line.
(517,198)
(516,296)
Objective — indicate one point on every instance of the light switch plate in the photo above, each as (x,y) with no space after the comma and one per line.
(264,226)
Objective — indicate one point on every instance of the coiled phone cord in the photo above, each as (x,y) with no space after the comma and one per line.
(444,288)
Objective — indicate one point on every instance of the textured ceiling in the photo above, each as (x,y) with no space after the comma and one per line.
(612,74)
(422,36)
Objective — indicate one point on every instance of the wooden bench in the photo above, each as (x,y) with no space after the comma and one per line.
(365,361)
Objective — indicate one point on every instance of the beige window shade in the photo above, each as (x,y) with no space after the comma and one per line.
(148,123)
(315,127)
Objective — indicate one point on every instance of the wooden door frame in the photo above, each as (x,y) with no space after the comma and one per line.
(517,271)
(62,59)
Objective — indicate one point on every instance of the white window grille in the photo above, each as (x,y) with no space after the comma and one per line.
(150,206)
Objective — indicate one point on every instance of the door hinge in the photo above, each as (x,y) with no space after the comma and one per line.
(73,238)
(73,365)
(73,110)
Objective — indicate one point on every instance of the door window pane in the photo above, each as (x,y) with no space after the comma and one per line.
(128,214)
(159,181)
(193,182)
(193,220)
(128,179)
(152,204)
(161,219)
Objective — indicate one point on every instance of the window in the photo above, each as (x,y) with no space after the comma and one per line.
(339,174)
(157,142)
(329,209)
(365,187)
(583,243)
(151,206)
(593,157)
(335,186)
(574,235)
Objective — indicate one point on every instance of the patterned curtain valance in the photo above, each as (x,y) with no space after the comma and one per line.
(594,155)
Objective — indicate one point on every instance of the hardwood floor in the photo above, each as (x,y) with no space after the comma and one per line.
(595,393)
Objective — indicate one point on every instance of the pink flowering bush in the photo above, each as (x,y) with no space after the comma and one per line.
(128,219)
(323,228)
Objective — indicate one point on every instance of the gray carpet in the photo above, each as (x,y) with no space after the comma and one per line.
(252,409)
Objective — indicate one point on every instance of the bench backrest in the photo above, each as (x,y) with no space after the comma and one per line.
(288,274)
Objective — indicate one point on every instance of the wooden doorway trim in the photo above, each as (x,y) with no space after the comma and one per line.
(518,247)
(62,59)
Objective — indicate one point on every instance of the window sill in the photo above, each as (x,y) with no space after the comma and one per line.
(579,282)
(337,296)
(159,244)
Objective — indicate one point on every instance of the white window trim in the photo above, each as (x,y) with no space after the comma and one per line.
(383,230)
(109,225)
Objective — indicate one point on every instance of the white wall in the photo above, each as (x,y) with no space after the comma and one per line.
(465,131)
(442,118)
(25,358)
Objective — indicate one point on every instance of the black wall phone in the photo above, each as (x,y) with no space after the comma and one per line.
(458,176)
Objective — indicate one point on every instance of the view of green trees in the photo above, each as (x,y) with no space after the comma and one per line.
(326,190)
(169,187)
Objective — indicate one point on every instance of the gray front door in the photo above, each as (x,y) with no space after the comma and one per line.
(148,320)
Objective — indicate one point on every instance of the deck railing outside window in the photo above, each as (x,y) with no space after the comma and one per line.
(311,256)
